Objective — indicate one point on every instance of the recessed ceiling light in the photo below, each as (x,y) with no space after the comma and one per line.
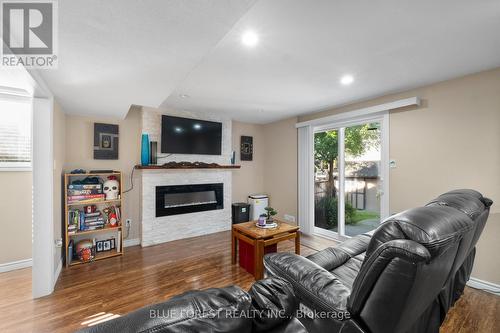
(197,126)
(178,129)
(183,96)
(249,38)
(346,79)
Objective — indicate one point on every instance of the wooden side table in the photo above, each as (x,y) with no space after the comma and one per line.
(260,238)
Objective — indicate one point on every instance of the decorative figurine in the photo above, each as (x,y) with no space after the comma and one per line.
(112,220)
(111,188)
(90,209)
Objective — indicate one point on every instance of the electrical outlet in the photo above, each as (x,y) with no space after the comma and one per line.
(128,222)
(58,242)
(289,218)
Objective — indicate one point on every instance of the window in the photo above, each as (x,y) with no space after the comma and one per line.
(15,134)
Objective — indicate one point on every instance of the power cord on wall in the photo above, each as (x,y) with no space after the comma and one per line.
(132,187)
(131,181)
(132,175)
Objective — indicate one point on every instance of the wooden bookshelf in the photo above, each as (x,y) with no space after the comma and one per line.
(100,204)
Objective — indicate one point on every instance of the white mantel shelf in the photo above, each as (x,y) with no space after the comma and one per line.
(162,167)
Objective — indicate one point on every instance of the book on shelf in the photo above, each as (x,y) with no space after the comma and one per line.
(118,242)
(118,213)
(94,219)
(94,225)
(92,228)
(80,187)
(85,198)
(83,192)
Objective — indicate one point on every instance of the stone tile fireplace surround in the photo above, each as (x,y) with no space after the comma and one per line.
(156,230)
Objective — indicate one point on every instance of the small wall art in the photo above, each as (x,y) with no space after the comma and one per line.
(105,141)
(246,148)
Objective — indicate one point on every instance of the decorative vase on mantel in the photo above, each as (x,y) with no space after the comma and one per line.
(145,150)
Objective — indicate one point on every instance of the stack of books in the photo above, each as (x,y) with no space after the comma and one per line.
(85,193)
(79,221)
(93,221)
(72,228)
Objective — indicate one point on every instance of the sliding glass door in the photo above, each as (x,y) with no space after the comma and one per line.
(349,177)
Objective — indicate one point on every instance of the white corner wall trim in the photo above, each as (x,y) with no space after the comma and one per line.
(57,272)
(131,242)
(44,262)
(371,110)
(11,266)
(484,285)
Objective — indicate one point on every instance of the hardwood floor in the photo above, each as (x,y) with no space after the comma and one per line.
(144,276)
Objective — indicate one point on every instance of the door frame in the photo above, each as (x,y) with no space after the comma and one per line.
(340,125)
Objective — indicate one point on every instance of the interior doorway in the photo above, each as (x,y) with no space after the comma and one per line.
(27,88)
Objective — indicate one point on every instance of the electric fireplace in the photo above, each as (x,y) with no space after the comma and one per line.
(185,199)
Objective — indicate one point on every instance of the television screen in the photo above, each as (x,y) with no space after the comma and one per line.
(190,136)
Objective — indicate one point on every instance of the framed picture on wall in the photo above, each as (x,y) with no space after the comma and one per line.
(246,148)
(106,141)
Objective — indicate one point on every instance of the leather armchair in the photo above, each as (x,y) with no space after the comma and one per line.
(403,277)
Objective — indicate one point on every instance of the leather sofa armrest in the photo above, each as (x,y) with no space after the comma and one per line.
(329,258)
(333,257)
(314,286)
(209,310)
(273,303)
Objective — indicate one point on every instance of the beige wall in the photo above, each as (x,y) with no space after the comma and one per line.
(79,154)
(274,167)
(451,141)
(59,146)
(280,166)
(15,218)
(250,178)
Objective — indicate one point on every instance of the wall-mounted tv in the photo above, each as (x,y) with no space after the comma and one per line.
(190,136)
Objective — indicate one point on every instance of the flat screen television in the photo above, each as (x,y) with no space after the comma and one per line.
(190,136)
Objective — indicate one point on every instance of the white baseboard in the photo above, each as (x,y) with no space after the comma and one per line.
(10,266)
(131,242)
(57,272)
(484,285)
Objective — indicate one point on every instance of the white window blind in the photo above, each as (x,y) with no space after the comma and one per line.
(15,133)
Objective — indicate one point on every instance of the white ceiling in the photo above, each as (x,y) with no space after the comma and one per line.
(117,53)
